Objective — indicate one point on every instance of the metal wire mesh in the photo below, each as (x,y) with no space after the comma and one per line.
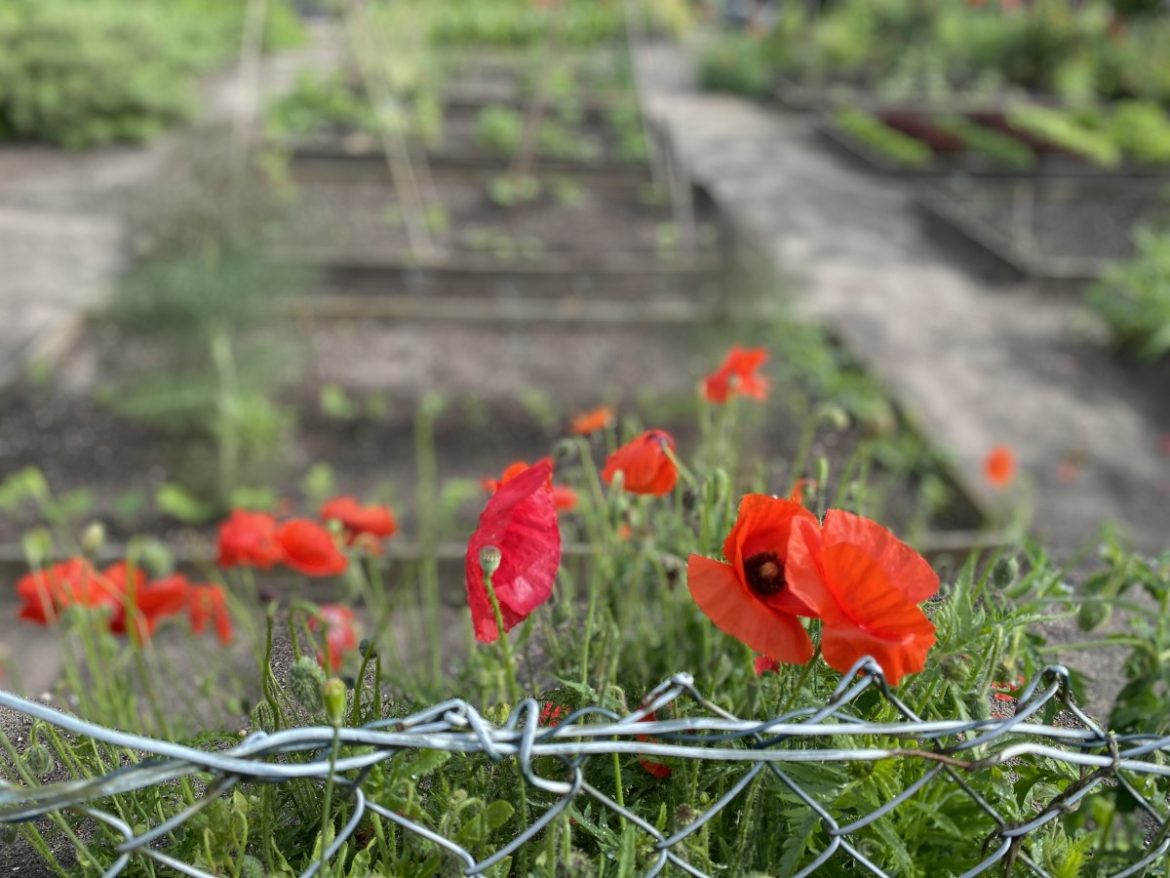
(954,750)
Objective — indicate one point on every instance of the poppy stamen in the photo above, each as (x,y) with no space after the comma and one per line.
(765,573)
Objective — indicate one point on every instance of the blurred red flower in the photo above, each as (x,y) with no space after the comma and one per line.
(737,376)
(341,636)
(45,593)
(592,421)
(142,606)
(764,665)
(656,769)
(357,520)
(999,467)
(748,596)
(520,520)
(644,463)
(207,604)
(249,539)
(865,584)
(564,497)
(309,548)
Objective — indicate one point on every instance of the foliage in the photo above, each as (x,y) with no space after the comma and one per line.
(499,129)
(993,146)
(736,63)
(84,74)
(1142,129)
(1063,129)
(880,137)
(320,102)
(1133,297)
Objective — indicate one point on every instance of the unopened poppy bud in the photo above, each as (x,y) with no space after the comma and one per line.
(576,865)
(38,760)
(489,560)
(7,834)
(333,697)
(1004,573)
(93,538)
(954,668)
(564,451)
(835,416)
(305,681)
(822,471)
(250,867)
(1093,615)
(263,718)
(367,649)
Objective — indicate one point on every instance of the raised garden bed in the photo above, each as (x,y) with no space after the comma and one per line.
(1060,230)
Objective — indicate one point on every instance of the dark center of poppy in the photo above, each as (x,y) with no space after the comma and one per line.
(765,574)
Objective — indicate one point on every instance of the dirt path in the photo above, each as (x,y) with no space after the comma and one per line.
(975,363)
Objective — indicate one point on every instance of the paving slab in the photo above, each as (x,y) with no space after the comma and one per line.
(975,363)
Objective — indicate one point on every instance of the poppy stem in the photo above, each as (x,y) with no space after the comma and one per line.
(683,470)
(513,689)
(800,681)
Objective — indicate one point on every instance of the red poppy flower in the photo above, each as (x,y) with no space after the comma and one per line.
(143,606)
(564,497)
(521,521)
(764,665)
(653,767)
(249,539)
(587,423)
(340,634)
(374,521)
(999,467)
(309,548)
(866,585)
(45,593)
(208,604)
(749,596)
(644,463)
(737,375)
(550,712)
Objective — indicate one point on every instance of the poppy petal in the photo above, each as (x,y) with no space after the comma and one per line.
(736,611)
(764,525)
(906,569)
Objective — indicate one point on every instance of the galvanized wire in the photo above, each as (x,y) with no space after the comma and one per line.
(949,749)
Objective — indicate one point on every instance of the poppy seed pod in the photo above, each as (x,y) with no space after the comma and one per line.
(1004,573)
(93,538)
(489,560)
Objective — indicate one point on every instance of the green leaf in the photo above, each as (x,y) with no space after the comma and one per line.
(175,501)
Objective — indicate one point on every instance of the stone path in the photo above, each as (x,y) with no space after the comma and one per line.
(975,364)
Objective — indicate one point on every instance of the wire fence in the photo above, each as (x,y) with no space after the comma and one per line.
(954,750)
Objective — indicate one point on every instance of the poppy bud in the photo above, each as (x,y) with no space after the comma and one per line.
(835,416)
(333,697)
(154,557)
(7,834)
(822,471)
(954,668)
(305,681)
(93,538)
(1093,615)
(564,451)
(1004,573)
(263,718)
(38,760)
(367,649)
(489,560)
(576,865)
(250,867)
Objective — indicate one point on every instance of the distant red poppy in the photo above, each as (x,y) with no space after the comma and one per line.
(207,604)
(737,376)
(249,539)
(593,421)
(564,497)
(551,712)
(656,769)
(309,548)
(357,520)
(144,605)
(764,665)
(341,636)
(45,593)
(999,467)
(865,584)
(521,521)
(748,596)
(644,463)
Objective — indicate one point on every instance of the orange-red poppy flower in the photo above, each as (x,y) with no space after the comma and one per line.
(341,637)
(207,604)
(45,593)
(593,421)
(737,376)
(866,585)
(564,497)
(521,521)
(249,539)
(764,665)
(644,463)
(375,521)
(142,606)
(656,769)
(309,548)
(999,467)
(748,597)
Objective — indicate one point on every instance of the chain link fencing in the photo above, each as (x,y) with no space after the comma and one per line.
(949,751)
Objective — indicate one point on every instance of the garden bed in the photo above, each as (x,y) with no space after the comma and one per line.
(1051,230)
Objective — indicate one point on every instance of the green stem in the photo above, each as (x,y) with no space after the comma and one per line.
(328,800)
(506,657)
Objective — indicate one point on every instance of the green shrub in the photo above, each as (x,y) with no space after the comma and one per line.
(738,64)
(881,138)
(1063,129)
(498,129)
(997,147)
(1134,297)
(319,103)
(1142,129)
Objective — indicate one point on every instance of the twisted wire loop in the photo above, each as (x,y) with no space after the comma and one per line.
(952,751)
